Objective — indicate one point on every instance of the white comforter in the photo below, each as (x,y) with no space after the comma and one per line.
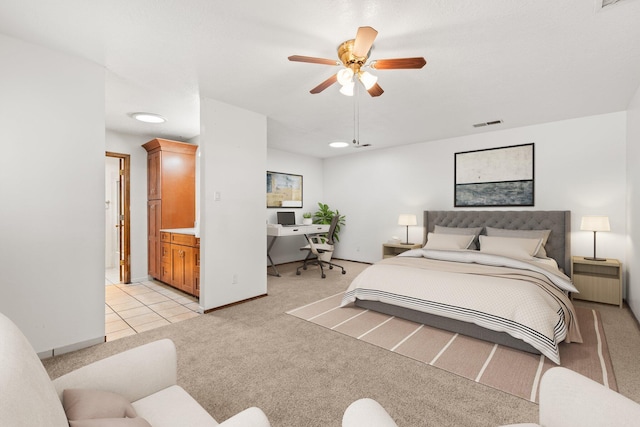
(527,300)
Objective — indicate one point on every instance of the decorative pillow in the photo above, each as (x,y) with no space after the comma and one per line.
(111,422)
(524,234)
(475,231)
(512,247)
(449,241)
(82,404)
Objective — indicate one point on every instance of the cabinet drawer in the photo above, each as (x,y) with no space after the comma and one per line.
(183,239)
(165,237)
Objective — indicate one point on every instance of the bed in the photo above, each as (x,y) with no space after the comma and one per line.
(469,279)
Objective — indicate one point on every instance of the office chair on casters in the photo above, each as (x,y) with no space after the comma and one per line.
(322,250)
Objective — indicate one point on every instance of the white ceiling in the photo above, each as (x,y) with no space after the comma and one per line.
(523,62)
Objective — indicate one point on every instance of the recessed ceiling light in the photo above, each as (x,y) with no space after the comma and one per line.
(339,144)
(148,117)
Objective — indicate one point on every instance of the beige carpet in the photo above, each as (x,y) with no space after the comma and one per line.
(513,371)
(305,375)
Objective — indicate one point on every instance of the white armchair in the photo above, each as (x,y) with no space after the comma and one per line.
(367,412)
(567,399)
(145,376)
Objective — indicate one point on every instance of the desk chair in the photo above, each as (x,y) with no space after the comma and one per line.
(322,251)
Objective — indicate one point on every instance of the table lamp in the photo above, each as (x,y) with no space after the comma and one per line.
(595,224)
(407,220)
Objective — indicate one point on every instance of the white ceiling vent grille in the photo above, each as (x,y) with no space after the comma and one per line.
(494,122)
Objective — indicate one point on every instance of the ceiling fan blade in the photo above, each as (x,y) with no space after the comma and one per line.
(325,84)
(313,60)
(364,41)
(398,63)
(375,90)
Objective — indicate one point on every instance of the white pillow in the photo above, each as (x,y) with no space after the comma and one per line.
(512,247)
(449,241)
(525,234)
(439,229)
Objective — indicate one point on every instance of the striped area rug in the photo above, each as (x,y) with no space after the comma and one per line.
(512,371)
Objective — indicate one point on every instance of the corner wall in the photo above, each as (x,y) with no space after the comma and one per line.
(233,149)
(633,205)
(52,173)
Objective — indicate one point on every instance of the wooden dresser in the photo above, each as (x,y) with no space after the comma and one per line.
(171,196)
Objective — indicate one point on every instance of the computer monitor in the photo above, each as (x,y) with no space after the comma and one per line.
(286,218)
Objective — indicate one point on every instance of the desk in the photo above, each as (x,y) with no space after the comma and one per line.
(303,230)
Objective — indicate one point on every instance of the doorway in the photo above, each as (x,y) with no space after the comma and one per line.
(117,218)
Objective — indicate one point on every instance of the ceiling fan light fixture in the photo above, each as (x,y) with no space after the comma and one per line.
(338,144)
(148,117)
(345,76)
(347,89)
(367,79)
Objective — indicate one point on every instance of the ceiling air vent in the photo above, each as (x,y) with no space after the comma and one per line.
(495,122)
(601,4)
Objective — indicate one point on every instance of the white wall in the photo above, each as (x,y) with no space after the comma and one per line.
(579,166)
(52,191)
(633,205)
(233,149)
(288,249)
(132,144)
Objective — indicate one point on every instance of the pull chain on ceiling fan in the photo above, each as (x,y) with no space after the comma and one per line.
(353,55)
(356,120)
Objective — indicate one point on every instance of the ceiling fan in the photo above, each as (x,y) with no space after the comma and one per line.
(353,55)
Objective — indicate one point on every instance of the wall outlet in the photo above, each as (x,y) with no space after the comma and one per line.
(234,280)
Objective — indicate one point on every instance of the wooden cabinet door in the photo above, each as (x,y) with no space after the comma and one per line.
(196,271)
(154,210)
(154,176)
(182,265)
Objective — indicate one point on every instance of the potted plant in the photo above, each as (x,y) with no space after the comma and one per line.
(307,218)
(324,215)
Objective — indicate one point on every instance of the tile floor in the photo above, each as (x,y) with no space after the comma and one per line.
(137,307)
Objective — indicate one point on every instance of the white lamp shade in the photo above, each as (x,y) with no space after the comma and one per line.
(344,76)
(595,223)
(367,79)
(407,219)
(347,89)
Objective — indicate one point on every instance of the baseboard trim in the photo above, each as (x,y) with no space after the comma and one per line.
(209,310)
(71,347)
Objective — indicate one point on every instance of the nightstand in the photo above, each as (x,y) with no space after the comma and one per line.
(392,249)
(599,281)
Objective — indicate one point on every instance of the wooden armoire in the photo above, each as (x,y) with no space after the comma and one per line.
(171,193)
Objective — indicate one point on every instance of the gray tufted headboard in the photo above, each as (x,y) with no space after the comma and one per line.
(558,246)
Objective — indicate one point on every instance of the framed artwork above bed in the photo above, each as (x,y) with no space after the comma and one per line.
(500,176)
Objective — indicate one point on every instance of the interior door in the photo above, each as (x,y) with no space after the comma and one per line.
(121,228)
(123,220)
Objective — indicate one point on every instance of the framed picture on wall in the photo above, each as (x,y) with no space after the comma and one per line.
(284,190)
(495,177)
